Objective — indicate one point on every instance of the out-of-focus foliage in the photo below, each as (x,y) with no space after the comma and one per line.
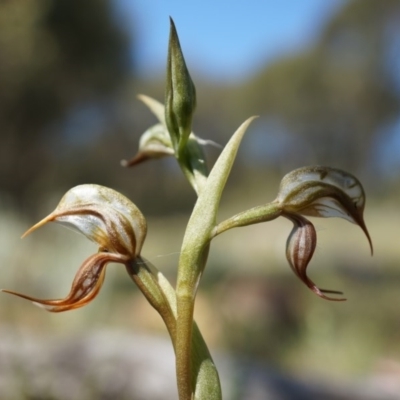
(69,113)
(54,55)
(338,94)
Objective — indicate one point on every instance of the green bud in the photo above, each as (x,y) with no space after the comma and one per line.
(180,95)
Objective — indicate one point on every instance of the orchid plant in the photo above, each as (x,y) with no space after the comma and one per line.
(118,227)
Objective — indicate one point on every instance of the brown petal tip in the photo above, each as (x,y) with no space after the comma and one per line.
(365,230)
(38,225)
(320,293)
(85,287)
(139,158)
(48,305)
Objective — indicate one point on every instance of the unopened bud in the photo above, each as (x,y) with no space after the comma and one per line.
(180,95)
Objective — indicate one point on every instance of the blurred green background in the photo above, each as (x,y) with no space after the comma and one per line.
(70,72)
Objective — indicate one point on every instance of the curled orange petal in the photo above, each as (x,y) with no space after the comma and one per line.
(85,287)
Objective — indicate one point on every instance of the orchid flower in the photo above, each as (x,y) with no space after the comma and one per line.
(319,192)
(107,218)
(309,191)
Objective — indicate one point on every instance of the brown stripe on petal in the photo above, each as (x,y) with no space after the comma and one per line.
(86,285)
(300,248)
(301,244)
(324,192)
(118,235)
(121,234)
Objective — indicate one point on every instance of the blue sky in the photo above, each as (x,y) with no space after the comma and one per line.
(224,40)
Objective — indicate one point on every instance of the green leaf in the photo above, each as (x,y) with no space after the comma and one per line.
(203,218)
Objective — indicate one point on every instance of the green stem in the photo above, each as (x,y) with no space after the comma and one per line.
(191,160)
(185,379)
(191,265)
(255,215)
(188,173)
(160,294)
(141,273)
(194,252)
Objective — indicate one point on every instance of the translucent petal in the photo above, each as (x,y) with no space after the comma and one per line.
(104,216)
(324,192)
(342,180)
(154,143)
(155,107)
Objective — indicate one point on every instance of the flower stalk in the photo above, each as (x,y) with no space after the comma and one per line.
(194,252)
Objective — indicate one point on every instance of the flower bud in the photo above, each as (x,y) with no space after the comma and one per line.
(180,94)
